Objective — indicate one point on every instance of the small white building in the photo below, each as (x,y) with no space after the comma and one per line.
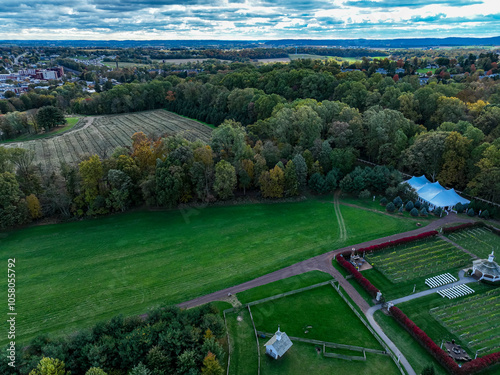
(487,270)
(278,344)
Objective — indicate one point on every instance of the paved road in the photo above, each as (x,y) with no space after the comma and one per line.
(323,263)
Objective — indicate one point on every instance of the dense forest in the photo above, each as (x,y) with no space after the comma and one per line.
(165,341)
(282,129)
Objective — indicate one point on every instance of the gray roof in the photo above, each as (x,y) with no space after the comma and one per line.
(487,267)
(280,346)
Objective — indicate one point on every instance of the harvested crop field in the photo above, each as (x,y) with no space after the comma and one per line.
(101,134)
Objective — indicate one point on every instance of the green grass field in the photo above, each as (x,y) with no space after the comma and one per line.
(479,241)
(282,286)
(322,309)
(328,318)
(73,274)
(418,357)
(70,123)
(424,71)
(124,64)
(418,259)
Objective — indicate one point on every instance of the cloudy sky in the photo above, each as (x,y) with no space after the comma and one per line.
(247,19)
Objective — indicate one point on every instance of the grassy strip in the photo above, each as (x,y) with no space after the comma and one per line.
(392,290)
(70,123)
(282,286)
(74,274)
(375,205)
(193,119)
(416,355)
(304,358)
(242,343)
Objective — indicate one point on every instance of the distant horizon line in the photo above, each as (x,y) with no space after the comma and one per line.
(252,40)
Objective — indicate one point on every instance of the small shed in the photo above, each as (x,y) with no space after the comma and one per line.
(487,270)
(278,344)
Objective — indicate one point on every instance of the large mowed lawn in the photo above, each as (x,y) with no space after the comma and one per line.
(73,274)
(320,314)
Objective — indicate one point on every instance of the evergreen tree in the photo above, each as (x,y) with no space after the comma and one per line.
(291,180)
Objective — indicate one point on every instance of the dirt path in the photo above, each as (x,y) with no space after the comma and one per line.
(340,219)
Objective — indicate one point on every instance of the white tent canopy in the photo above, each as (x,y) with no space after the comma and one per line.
(434,194)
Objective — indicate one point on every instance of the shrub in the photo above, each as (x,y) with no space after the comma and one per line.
(438,211)
(470,212)
(390,207)
(424,212)
(365,194)
(401,210)
(414,212)
(383,201)
(485,214)
(418,204)
(317,184)
(397,201)
(459,207)
(459,227)
(409,206)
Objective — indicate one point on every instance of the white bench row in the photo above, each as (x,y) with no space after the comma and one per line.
(434,282)
(456,291)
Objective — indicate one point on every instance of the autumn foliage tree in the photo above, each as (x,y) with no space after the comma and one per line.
(146,151)
(211,365)
(225,179)
(49,366)
(272,183)
(34,206)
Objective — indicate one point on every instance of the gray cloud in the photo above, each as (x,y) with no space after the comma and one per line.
(409,3)
(279,18)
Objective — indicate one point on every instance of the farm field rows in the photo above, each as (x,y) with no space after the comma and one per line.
(104,133)
(77,273)
(479,241)
(418,259)
(475,320)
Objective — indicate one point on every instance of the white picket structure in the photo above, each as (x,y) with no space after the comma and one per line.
(456,291)
(434,282)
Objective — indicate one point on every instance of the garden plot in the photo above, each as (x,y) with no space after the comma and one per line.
(479,241)
(476,320)
(105,133)
(418,259)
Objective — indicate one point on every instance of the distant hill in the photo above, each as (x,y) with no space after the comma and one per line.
(364,43)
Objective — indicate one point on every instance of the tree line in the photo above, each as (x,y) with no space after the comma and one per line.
(165,341)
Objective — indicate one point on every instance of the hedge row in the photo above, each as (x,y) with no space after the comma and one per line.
(424,340)
(397,242)
(364,282)
(441,356)
(460,227)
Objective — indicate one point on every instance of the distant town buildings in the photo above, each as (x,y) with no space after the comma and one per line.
(39,74)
